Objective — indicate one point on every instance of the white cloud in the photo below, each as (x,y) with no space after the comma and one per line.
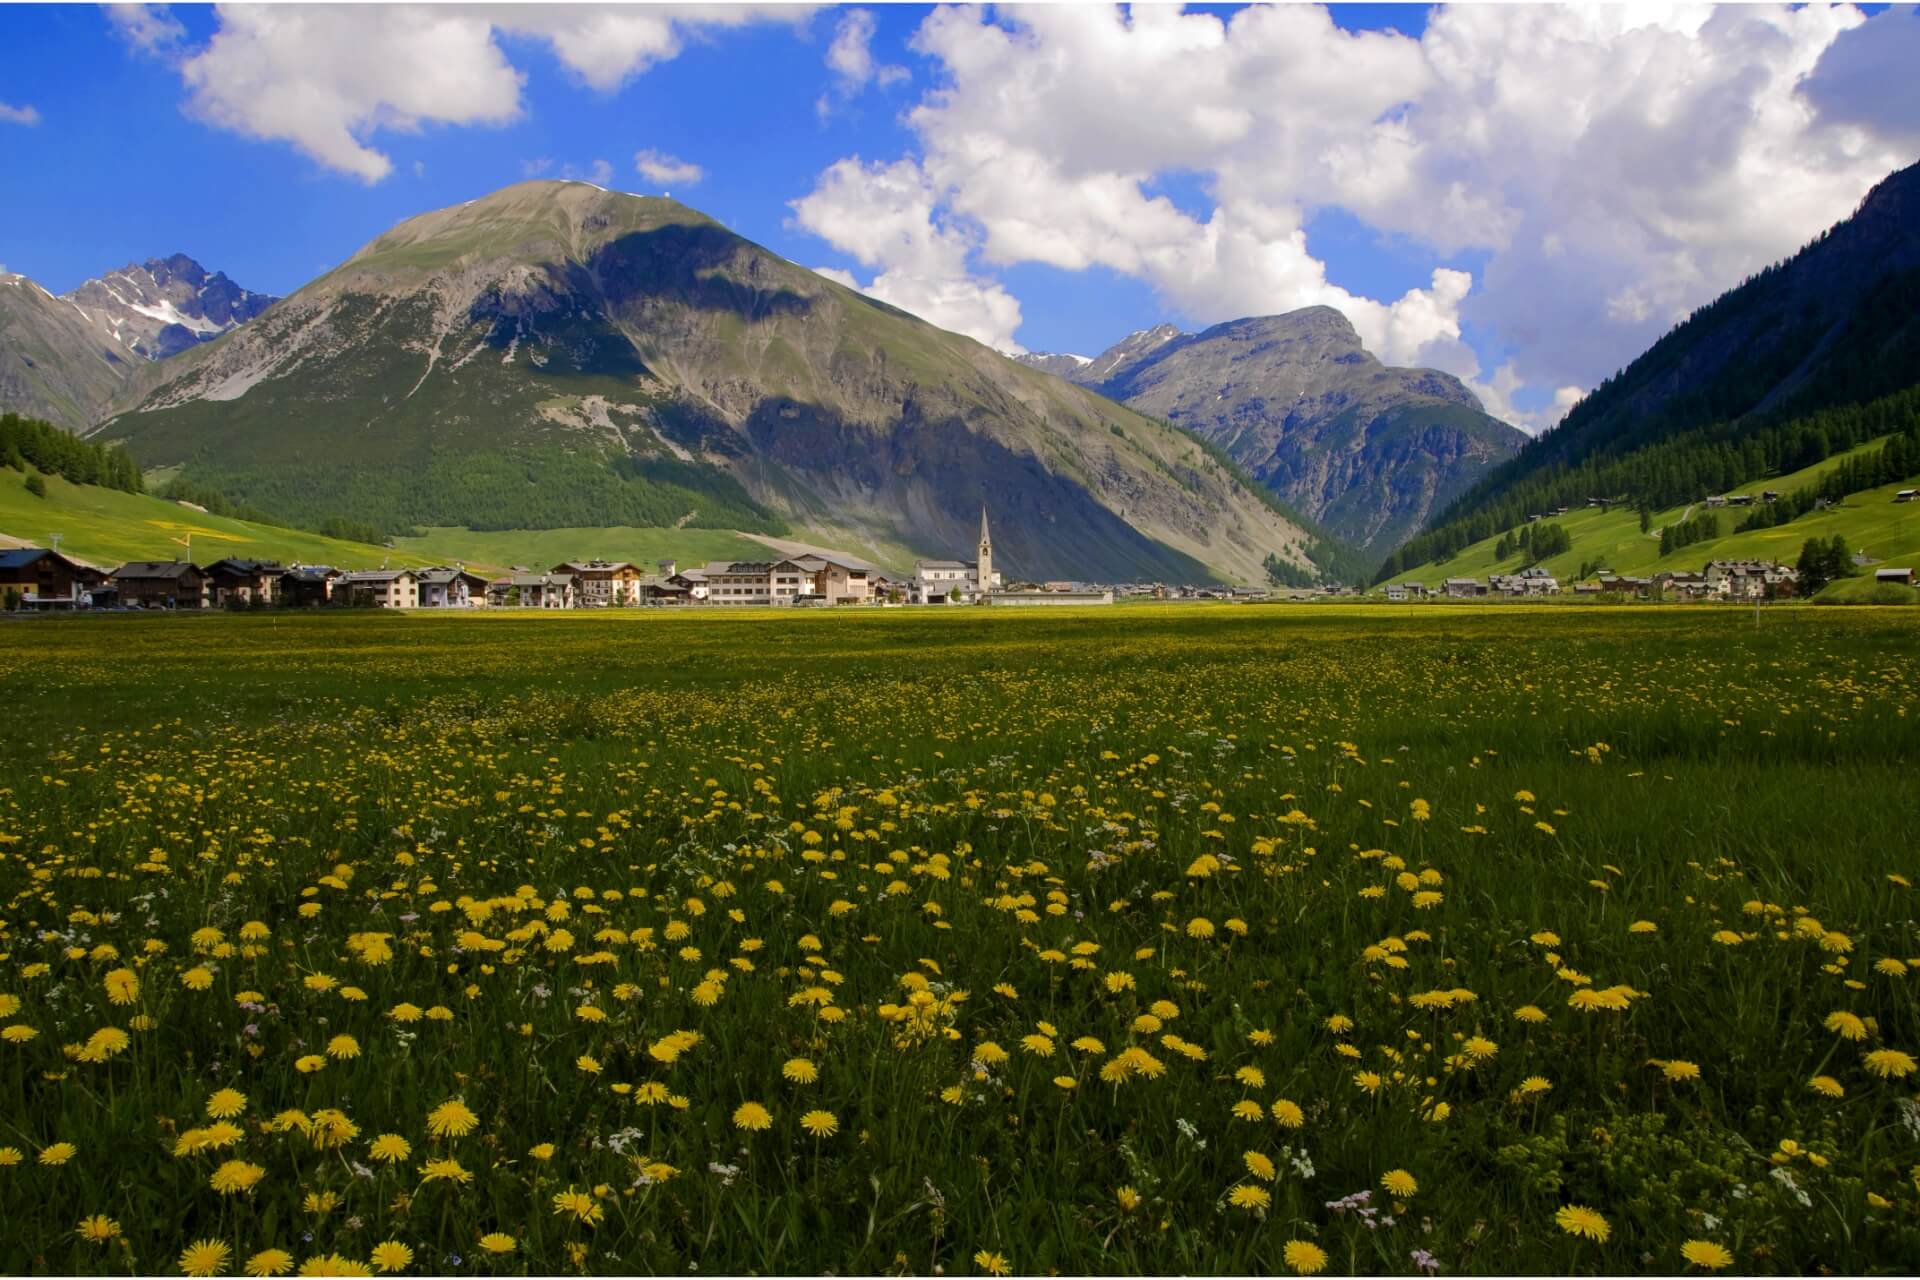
(26,114)
(327,78)
(324,77)
(658,166)
(150,28)
(1617,166)
(884,216)
(850,58)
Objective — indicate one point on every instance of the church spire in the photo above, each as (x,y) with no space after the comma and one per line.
(985,540)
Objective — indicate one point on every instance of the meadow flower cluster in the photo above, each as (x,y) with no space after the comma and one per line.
(1205,940)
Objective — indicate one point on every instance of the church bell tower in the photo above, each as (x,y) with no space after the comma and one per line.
(985,553)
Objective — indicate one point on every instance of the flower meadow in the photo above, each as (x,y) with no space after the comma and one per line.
(1205,939)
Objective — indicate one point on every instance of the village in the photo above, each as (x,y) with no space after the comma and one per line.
(43,579)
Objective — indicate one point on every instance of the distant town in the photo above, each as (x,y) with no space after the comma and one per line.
(45,580)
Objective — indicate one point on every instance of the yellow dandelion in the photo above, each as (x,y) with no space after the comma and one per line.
(205,1258)
(752,1117)
(821,1124)
(1399,1183)
(1707,1254)
(1579,1220)
(1304,1257)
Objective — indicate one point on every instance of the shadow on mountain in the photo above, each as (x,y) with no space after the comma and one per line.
(937,473)
(702,266)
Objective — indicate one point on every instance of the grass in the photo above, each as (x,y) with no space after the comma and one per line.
(1870,519)
(108,527)
(1172,939)
(1864,590)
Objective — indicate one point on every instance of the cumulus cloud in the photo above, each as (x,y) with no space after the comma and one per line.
(1869,77)
(1615,166)
(25,114)
(850,58)
(327,78)
(658,166)
(884,216)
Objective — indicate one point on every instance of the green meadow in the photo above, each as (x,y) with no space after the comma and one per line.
(1870,520)
(1168,939)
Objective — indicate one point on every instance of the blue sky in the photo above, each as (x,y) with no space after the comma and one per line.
(116,153)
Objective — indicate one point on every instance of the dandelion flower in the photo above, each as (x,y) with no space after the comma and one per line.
(498,1242)
(57,1154)
(1827,1087)
(1705,1253)
(391,1255)
(821,1124)
(205,1258)
(270,1262)
(391,1148)
(343,1047)
(1250,1198)
(1846,1025)
(1579,1220)
(1399,1183)
(1890,1064)
(580,1204)
(225,1104)
(235,1177)
(97,1229)
(752,1117)
(1287,1113)
(444,1171)
(1127,1198)
(1305,1257)
(1530,1013)
(1680,1071)
(1259,1165)
(800,1070)
(994,1264)
(123,986)
(451,1119)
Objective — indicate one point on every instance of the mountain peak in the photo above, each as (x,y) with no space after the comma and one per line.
(163,306)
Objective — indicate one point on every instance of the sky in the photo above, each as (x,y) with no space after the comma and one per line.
(1524,196)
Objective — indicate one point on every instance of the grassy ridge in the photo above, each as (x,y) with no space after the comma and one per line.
(1152,940)
(108,527)
(1870,519)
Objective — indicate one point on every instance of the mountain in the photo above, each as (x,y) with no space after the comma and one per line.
(1787,368)
(1368,450)
(53,364)
(555,354)
(63,359)
(164,306)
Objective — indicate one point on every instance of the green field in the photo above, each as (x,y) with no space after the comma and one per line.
(1870,520)
(1169,939)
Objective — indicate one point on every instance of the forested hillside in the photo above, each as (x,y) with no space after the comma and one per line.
(1806,359)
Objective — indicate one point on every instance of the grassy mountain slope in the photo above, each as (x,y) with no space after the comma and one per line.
(1870,520)
(107,527)
(1837,324)
(53,366)
(556,355)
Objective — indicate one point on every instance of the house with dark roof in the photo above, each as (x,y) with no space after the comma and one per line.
(36,578)
(161,584)
(233,583)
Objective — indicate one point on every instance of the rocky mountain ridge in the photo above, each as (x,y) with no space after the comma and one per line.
(1366,449)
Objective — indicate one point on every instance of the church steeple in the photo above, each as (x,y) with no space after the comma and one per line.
(985,557)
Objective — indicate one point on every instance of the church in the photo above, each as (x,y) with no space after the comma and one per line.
(935,581)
